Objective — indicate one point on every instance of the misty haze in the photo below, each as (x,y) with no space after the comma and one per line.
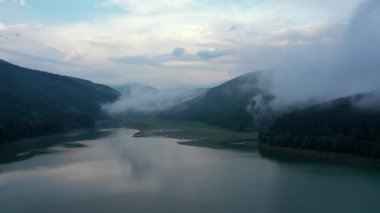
(268,106)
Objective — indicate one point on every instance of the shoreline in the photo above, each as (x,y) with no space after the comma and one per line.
(29,147)
(268,151)
(276,152)
(225,145)
(194,140)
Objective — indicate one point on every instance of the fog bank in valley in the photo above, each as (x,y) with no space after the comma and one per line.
(349,65)
(339,59)
(139,98)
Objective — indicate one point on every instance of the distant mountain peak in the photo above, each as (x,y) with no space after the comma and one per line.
(253,75)
(133,89)
(241,103)
(140,98)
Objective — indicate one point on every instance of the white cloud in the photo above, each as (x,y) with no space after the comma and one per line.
(148,6)
(151,29)
(21,2)
(136,60)
(2,26)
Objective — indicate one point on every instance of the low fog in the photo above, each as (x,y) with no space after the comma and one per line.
(347,63)
(345,67)
(139,98)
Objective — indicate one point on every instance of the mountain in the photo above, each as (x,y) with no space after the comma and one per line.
(145,101)
(179,96)
(242,103)
(135,89)
(35,103)
(349,125)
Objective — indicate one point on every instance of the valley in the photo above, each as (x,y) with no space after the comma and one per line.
(189,106)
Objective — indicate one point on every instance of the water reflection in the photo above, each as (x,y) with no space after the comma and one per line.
(119,173)
(25,149)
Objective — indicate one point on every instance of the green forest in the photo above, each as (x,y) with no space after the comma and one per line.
(35,103)
(226,104)
(339,126)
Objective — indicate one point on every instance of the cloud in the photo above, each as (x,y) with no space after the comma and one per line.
(136,60)
(283,35)
(360,48)
(21,2)
(210,54)
(148,6)
(37,58)
(329,62)
(178,52)
(2,26)
(142,98)
(318,32)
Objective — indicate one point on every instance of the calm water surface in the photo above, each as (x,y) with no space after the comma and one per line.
(118,173)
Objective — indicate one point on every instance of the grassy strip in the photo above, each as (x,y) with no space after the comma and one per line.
(192,130)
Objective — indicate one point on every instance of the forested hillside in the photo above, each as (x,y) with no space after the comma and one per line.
(348,125)
(241,103)
(34,103)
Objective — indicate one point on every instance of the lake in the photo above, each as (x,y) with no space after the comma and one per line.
(110,171)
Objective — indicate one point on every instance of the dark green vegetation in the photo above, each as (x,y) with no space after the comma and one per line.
(34,103)
(189,130)
(28,148)
(349,125)
(241,104)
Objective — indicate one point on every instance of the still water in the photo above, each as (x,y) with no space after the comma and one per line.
(114,172)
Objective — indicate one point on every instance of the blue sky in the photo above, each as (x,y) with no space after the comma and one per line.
(120,41)
(55,12)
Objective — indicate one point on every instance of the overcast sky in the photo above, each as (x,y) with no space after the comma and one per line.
(169,43)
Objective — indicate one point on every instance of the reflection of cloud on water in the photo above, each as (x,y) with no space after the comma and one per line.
(107,176)
(117,167)
(29,148)
(117,164)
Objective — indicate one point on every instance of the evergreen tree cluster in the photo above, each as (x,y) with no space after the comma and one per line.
(34,103)
(340,126)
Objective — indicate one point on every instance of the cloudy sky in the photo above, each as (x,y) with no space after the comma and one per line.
(169,43)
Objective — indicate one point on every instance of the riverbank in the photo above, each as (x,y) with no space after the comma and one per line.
(268,151)
(197,134)
(203,135)
(226,145)
(27,148)
(194,139)
(293,154)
